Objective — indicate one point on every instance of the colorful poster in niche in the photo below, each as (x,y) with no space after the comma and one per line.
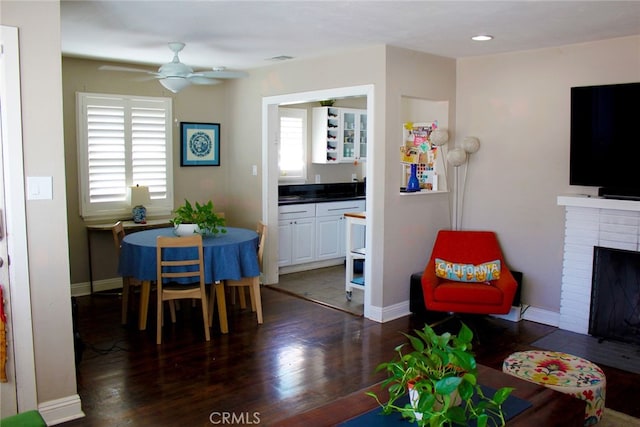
(417,147)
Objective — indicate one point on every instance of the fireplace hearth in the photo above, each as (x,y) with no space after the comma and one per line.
(615,295)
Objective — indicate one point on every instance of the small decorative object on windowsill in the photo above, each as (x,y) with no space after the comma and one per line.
(413,184)
(139,197)
(440,375)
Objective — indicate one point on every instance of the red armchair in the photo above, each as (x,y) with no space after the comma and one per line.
(468,247)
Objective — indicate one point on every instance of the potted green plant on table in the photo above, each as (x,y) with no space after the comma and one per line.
(197,218)
(440,376)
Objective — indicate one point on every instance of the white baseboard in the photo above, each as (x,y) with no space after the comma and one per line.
(61,410)
(540,315)
(386,314)
(514,315)
(533,314)
(84,288)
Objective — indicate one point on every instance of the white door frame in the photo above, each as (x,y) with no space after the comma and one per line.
(18,307)
(270,170)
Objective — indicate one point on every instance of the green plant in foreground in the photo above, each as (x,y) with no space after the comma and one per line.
(442,370)
(203,215)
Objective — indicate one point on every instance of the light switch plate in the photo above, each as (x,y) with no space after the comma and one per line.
(39,188)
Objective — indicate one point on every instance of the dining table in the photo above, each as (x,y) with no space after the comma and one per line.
(231,255)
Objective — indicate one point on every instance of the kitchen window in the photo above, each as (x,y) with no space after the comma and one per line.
(123,141)
(292,155)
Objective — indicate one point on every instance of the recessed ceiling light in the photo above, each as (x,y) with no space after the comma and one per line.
(482,37)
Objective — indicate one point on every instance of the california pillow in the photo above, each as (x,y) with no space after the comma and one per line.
(458,272)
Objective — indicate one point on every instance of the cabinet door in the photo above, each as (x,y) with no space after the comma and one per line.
(353,133)
(361,145)
(285,235)
(329,245)
(348,134)
(303,240)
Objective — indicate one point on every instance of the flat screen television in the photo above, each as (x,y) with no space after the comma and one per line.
(605,139)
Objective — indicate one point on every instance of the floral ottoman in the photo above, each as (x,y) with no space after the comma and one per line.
(564,373)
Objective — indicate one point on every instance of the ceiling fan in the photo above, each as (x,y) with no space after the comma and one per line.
(176,75)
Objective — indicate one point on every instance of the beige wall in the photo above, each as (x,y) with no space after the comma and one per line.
(397,73)
(411,221)
(193,104)
(401,240)
(38,26)
(245,103)
(518,105)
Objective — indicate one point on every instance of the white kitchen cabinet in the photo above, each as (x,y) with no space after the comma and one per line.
(330,228)
(354,134)
(339,135)
(328,242)
(296,234)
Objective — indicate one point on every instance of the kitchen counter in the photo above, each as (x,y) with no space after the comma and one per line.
(320,193)
(297,200)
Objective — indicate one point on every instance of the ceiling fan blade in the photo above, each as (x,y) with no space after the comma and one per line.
(127,69)
(199,80)
(222,74)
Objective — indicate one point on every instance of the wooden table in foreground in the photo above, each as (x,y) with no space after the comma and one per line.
(549,408)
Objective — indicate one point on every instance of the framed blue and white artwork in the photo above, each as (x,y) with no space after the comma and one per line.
(200,144)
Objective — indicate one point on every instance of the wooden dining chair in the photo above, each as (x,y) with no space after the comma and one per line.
(171,274)
(253,283)
(127,282)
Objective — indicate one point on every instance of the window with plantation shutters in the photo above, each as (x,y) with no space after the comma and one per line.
(123,141)
(292,154)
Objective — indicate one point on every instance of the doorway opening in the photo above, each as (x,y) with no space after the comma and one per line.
(270,120)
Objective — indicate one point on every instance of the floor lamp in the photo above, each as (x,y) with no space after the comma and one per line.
(456,158)
(470,144)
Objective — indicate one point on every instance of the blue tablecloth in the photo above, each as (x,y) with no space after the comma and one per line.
(228,256)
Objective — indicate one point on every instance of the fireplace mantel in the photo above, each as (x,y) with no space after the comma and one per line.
(585,201)
(589,222)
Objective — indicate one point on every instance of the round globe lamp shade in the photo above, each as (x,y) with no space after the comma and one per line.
(439,137)
(456,157)
(470,144)
(174,84)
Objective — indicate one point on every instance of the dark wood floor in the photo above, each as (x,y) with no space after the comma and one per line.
(303,356)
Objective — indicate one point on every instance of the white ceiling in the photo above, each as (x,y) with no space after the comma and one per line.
(247,34)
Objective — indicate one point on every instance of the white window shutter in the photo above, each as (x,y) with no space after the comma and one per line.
(292,155)
(106,153)
(123,141)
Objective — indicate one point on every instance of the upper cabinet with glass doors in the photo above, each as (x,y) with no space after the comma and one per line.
(339,135)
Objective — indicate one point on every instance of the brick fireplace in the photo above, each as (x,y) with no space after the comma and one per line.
(590,222)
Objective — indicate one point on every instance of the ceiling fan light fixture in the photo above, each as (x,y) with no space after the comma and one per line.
(174,84)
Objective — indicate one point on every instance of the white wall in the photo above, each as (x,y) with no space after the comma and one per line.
(38,26)
(411,222)
(404,227)
(518,105)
